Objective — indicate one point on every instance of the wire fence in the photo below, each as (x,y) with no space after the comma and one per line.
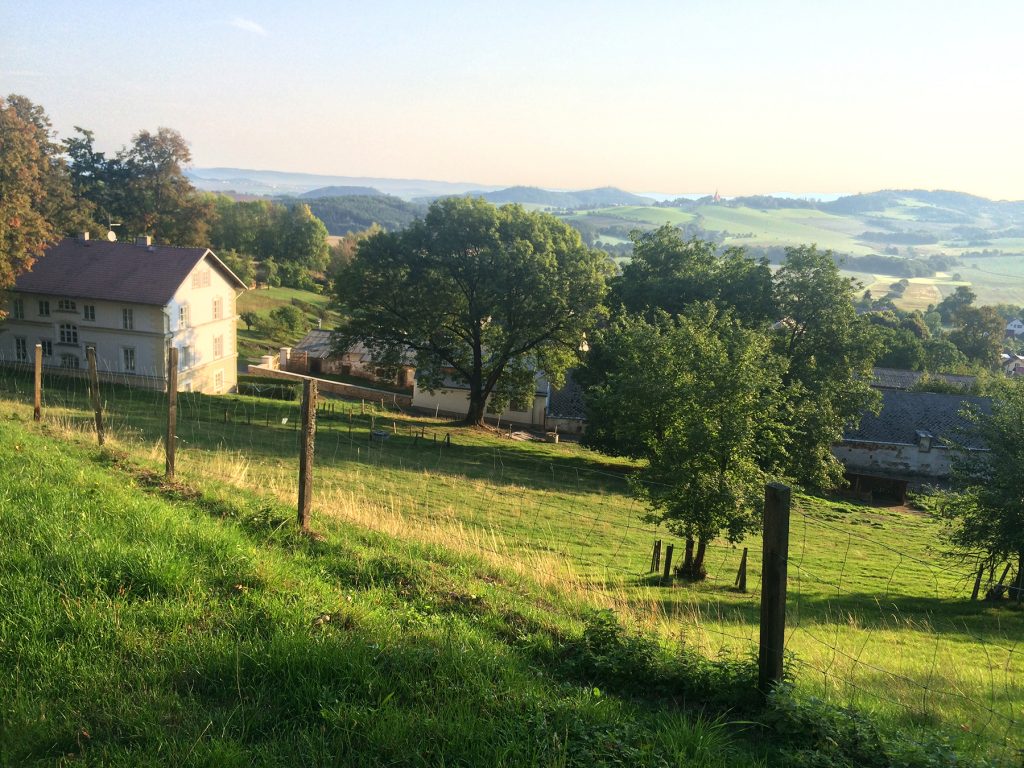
(876,617)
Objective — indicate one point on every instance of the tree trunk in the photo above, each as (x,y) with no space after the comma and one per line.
(699,573)
(688,557)
(693,565)
(475,414)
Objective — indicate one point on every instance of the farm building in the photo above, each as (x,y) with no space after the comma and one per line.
(131,303)
(907,444)
(315,355)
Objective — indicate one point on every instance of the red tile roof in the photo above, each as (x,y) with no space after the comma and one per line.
(97,269)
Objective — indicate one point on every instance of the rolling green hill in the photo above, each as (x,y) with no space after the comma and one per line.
(984,238)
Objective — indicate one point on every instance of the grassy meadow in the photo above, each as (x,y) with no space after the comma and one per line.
(877,617)
(252,343)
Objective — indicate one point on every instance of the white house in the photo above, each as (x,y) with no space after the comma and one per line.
(1015,327)
(131,302)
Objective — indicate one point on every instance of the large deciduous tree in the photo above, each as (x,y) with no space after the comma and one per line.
(830,353)
(985,516)
(489,296)
(37,205)
(669,273)
(143,188)
(699,397)
(980,335)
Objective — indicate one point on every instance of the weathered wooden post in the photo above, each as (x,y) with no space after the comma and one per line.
(656,557)
(94,391)
(774,570)
(306,455)
(172,411)
(37,412)
(667,578)
(741,574)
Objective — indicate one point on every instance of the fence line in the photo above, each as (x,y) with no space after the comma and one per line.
(552,509)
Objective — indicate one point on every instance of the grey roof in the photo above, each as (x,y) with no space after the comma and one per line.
(98,269)
(903,414)
(316,343)
(566,402)
(319,343)
(894,378)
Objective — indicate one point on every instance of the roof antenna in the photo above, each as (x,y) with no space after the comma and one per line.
(111,235)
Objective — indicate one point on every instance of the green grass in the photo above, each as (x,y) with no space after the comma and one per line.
(252,344)
(151,626)
(877,617)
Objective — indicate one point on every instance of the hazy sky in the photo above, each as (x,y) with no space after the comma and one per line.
(674,97)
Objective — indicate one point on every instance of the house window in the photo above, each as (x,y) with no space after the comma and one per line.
(201,278)
(89,311)
(218,308)
(183,316)
(21,350)
(127,319)
(47,347)
(184,358)
(18,309)
(69,334)
(128,359)
(218,381)
(218,346)
(69,361)
(44,308)
(66,305)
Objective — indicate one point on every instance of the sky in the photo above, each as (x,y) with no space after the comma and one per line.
(687,96)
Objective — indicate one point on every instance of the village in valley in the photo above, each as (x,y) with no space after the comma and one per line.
(302,468)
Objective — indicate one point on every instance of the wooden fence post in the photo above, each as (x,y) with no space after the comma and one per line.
(306,455)
(741,575)
(656,557)
(37,412)
(668,565)
(774,569)
(172,411)
(94,387)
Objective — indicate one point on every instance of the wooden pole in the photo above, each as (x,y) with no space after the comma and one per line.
(37,412)
(741,575)
(667,577)
(94,391)
(172,411)
(977,582)
(656,557)
(774,568)
(306,455)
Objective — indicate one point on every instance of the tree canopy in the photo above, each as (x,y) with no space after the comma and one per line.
(488,296)
(985,516)
(37,203)
(669,273)
(699,396)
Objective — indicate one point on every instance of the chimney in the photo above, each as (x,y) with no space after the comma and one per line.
(144,241)
(83,237)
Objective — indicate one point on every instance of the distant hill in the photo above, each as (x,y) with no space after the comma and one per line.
(585,198)
(352,213)
(338,191)
(255,182)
